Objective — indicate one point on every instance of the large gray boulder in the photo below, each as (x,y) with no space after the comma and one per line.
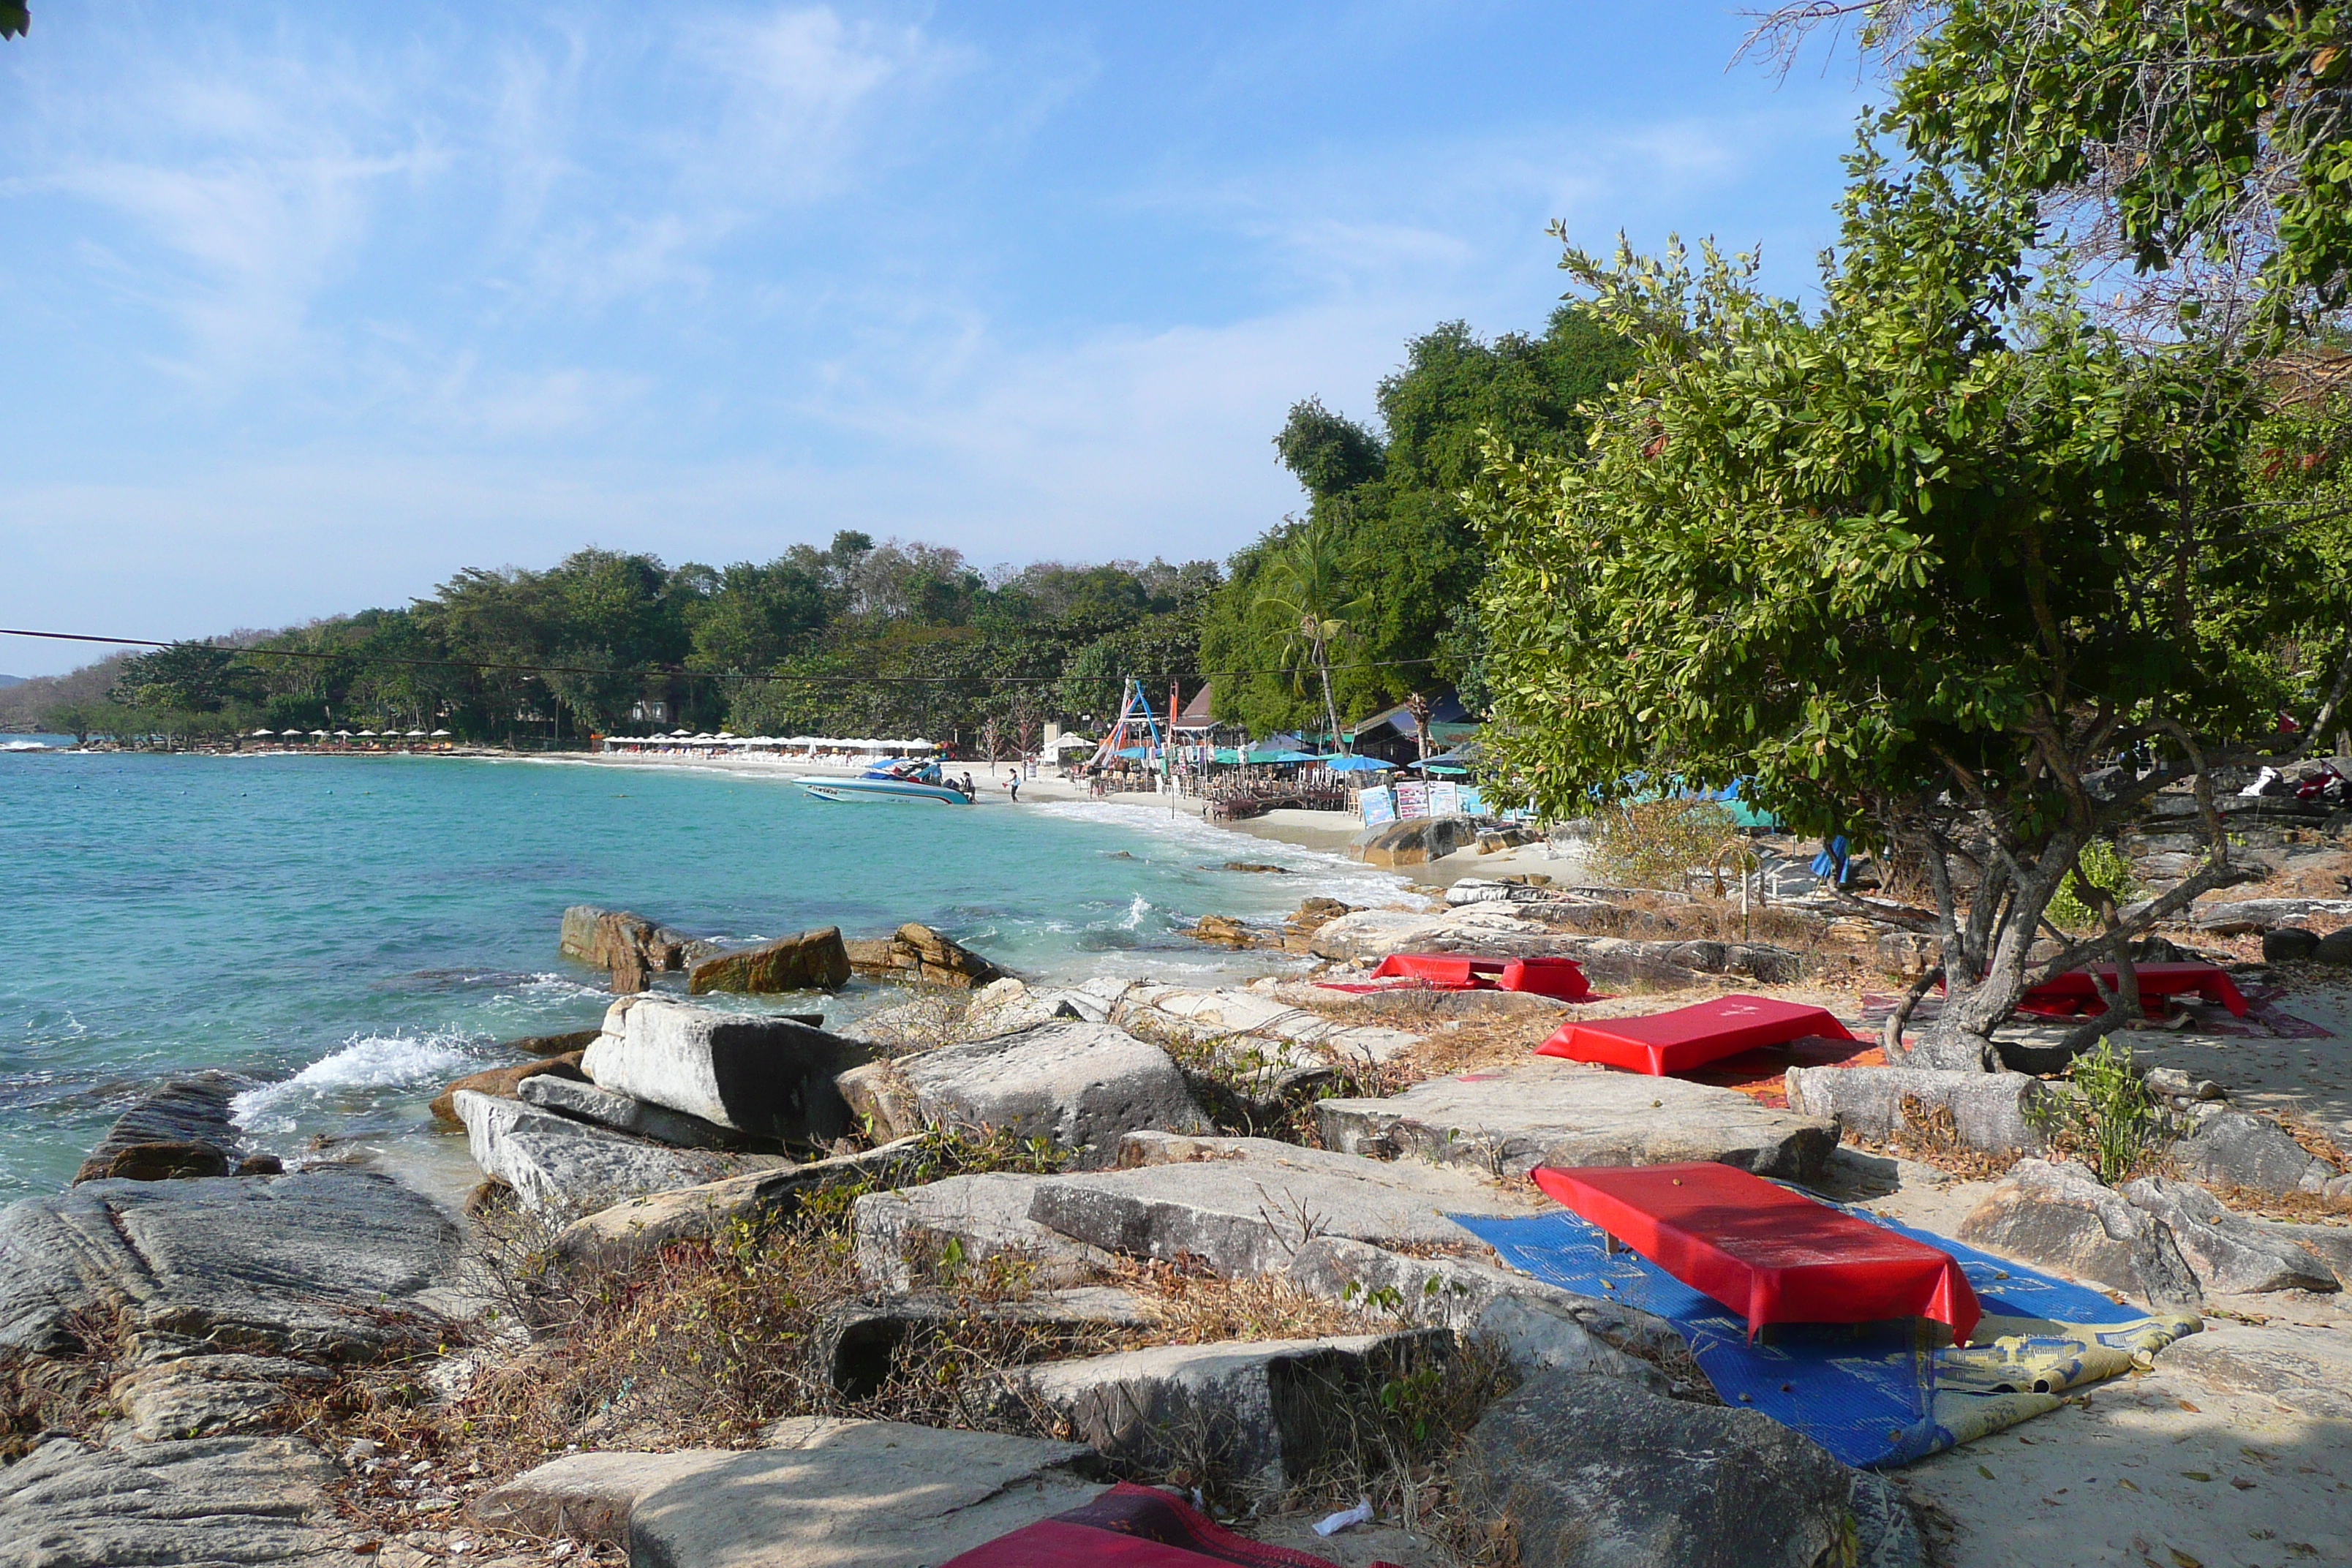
(857,1494)
(1548,1111)
(2236,1149)
(2331,1244)
(2229,1254)
(1590,1472)
(1083,1086)
(638,1225)
(1542,1327)
(1243,1206)
(558,1165)
(2055,1215)
(213,1503)
(942,1231)
(601,1107)
(322,1265)
(1264,1414)
(1990,1112)
(769,1078)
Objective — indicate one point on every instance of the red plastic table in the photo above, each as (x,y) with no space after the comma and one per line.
(2072,992)
(1691,1036)
(1560,977)
(1771,1254)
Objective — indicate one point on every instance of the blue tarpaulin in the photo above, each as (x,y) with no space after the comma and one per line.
(1870,1393)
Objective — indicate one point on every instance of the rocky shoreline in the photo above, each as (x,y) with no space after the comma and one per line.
(734,1283)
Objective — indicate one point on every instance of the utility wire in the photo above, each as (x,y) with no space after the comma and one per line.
(675,673)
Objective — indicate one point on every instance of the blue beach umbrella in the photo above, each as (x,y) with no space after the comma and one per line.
(1355,764)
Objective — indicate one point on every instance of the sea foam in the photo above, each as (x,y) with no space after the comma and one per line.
(365,1063)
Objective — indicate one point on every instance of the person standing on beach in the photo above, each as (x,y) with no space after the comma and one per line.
(1013,784)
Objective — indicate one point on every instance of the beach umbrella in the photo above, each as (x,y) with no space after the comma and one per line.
(437,733)
(368,734)
(320,734)
(342,734)
(414,734)
(260,732)
(1356,764)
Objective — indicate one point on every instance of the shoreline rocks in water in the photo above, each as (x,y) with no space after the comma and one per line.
(180,1129)
(505,1082)
(813,961)
(918,954)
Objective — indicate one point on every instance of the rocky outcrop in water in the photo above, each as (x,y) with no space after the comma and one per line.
(918,954)
(813,961)
(182,1128)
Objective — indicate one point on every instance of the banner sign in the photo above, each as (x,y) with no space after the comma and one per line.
(1412,799)
(1379,807)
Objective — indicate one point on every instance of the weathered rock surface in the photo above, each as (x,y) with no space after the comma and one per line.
(1238,1019)
(1545,1329)
(1244,1206)
(559,1165)
(813,961)
(769,1078)
(587,1497)
(505,1082)
(2242,916)
(2236,1149)
(1265,1412)
(2289,944)
(321,1265)
(860,1344)
(2305,1372)
(902,1236)
(2331,1244)
(584,1101)
(1083,1086)
(552,1045)
(203,1395)
(917,954)
(1548,1111)
(1987,1111)
(188,1115)
(213,1502)
(638,1224)
(871,1494)
(2055,1215)
(608,939)
(2228,1253)
(2334,948)
(1594,1471)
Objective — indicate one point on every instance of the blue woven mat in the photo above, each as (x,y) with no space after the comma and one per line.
(1876,1394)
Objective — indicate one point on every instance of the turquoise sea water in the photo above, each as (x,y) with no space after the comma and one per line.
(359,930)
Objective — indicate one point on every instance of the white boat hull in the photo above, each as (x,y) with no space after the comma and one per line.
(879,789)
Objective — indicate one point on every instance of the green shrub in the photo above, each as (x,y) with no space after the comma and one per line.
(1657,843)
(2105,1117)
(2072,912)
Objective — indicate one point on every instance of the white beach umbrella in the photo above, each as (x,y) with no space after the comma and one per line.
(440,732)
(342,734)
(367,734)
(260,732)
(320,734)
(414,734)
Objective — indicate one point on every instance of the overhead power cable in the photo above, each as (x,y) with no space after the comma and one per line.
(674,672)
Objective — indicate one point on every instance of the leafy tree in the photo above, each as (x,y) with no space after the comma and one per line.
(1914,566)
(195,678)
(1330,453)
(16,21)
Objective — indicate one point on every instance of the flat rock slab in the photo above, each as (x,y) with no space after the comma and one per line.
(862,1344)
(588,1496)
(2303,1370)
(203,1395)
(1553,1112)
(639,1224)
(1267,1413)
(1244,1206)
(321,1265)
(1084,1085)
(193,1111)
(584,1101)
(1590,1472)
(858,1494)
(559,1166)
(209,1503)
(1488,927)
(2228,1252)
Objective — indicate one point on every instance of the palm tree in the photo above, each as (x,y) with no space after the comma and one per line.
(1306,583)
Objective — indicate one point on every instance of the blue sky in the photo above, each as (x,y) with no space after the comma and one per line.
(309,307)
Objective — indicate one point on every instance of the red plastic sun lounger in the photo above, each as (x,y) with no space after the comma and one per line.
(1766,1253)
(1559,977)
(1691,1036)
(2072,992)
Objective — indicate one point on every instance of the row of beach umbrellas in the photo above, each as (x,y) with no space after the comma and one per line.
(351,734)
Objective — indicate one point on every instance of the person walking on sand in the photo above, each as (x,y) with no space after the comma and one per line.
(1013,784)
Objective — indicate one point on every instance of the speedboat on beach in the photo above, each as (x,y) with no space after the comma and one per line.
(906,780)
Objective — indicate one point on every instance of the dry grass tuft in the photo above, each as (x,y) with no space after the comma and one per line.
(43,1396)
